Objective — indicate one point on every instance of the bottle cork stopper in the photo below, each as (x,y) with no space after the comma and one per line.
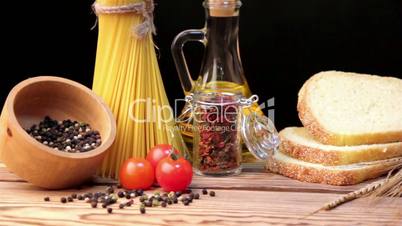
(223,8)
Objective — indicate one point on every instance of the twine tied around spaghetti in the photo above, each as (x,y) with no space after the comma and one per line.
(145,8)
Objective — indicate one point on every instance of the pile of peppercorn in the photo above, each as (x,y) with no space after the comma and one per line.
(67,135)
(110,197)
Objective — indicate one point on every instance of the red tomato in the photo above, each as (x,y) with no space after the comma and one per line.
(174,175)
(136,173)
(159,152)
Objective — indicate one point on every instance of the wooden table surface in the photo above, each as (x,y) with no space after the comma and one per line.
(252,198)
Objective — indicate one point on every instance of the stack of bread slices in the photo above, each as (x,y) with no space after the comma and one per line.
(352,130)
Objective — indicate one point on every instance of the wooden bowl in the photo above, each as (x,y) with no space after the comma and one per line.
(27,104)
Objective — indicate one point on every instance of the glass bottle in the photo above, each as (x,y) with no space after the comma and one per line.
(219,123)
(221,68)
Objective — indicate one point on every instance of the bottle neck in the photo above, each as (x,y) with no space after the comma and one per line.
(222,32)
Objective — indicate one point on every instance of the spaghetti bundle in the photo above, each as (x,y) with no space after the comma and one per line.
(127,76)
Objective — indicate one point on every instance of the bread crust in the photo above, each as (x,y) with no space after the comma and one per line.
(310,122)
(331,177)
(335,157)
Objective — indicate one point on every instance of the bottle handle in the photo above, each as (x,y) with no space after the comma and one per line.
(180,60)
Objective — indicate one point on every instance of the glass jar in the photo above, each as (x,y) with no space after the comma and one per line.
(220,122)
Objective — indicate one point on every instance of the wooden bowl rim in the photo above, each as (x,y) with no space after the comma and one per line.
(13,119)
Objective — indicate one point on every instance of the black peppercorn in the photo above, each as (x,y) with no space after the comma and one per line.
(94,204)
(163,204)
(191,195)
(69,199)
(80,197)
(169,202)
(121,194)
(46,199)
(139,192)
(74,196)
(128,196)
(104,205)
(204,191)
(63,200)
(129,203)
(142,199)
(148,203)
(212,193)
(142,209)
(118,186)
(186,202)
(178,194)
(109,210)
(196,196)
(175,200)
(121,206)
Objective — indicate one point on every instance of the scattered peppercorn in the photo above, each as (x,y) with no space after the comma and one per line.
(121,206)
(148,203)
(155,202)
(204,191)
(142,209)
(212,193)
(121,194)
(109,210)
(129,203)
(169,202)
(163,204)
(80,197)
(139,192)
(104,205)
(94,204)
(46,199)
(69,199)
(175,200)
(186,202)
(128,196)
(118,186)
(63,200)
(196,196)
(74,196)
(178,194)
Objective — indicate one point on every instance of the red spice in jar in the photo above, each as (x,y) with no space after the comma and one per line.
(219,140)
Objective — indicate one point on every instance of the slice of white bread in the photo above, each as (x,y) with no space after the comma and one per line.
(297,143)
(334,175)
(340,108)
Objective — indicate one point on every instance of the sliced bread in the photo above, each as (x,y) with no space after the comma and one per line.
(341,108)
(334,175)
(297,143)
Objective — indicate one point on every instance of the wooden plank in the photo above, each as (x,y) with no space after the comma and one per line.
(5,175)
(261,181)
(22,203)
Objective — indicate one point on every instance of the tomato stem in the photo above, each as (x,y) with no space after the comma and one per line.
(172,154)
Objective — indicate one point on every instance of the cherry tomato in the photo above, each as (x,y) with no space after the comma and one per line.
(159,152)
(174,174)
(136,173)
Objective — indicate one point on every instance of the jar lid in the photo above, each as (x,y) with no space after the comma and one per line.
(259,134)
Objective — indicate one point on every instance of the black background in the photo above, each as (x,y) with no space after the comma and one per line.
(282,42)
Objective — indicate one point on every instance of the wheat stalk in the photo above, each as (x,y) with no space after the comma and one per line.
(388,187)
